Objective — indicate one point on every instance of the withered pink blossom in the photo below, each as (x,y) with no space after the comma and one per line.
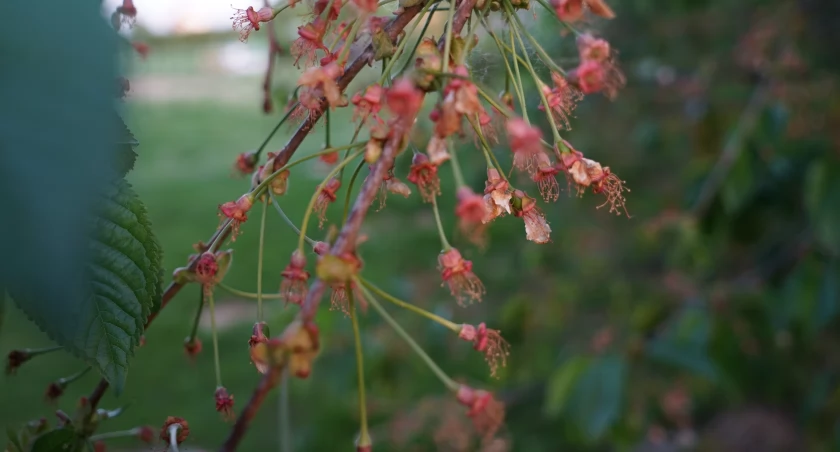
(236,212)
(367,103)
(546,179)
(525,143)
(586,173)
(310,40)
(258,336)
(537,229)
(326,197)
(490,343)
(487,413)
(457,274)
(471,211)
(293,287)
(497,195)
(247,20)
(423,174)
(224,403)
(562,100)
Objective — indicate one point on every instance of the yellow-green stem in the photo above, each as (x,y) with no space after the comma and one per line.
(349,192)
(521,86)
(197,319)
(409,60)
(445,379)
(447,46)
(311,206)
(364,437)
(456,167)
(444,243)
(345,51)
(536,78)
(488,153)
(386,71)
(510,75)
(250,295)
(215,338)
(452,326)
(260,262)
(287,219)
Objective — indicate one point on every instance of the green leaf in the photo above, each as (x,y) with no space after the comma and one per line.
(14,440)
(126,157)
(561,383)
(60,440)
(596,401)
(57,148)
(125,277)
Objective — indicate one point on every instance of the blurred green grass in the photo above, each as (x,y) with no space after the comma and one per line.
(183,172)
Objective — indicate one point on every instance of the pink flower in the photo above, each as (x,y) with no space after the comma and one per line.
(404,100)
(471,211)
(490,343)
(368,102)
(224,403)
(236,212)
(293,287)
(424,175)
(326,197)
(258,336)
(310,40)
(537,229)
(317,82)
(525,143)
(457,273)
(562,99)
(487,413)
(546,179)
(247,20)
(496,195)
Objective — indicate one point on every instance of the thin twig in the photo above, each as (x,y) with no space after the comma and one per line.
(266,384)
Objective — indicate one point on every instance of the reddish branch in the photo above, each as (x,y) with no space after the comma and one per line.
(267,383)
(346,240)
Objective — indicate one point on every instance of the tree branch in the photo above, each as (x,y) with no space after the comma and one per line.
(267,383)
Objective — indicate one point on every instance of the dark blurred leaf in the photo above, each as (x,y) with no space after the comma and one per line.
(125,275)
(14,440)
(561,383)
(596,401)
(829,298)
(823,198)
(739,182)
(60,440)
(58,146)
(684,342)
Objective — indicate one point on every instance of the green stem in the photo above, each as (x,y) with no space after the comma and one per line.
(33,352)
(327,129)
(456,167)
(67,380)
(276,128)
(415,309)
(447,46)
(347,152)
(386,69)
(443,241)
(194,331)
(287,219)
(257,191)
(554,15)
(364,437)
(251,295)
(521,86)
(215,339)
(448,382)
(317,193)
(350,190)
(112,435)
(544,57)
(530,68)
(345,51)
(410,60)
(510,75)
(260,263)
(488,153)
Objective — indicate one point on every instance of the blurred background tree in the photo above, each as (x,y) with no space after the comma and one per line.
(707,321)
